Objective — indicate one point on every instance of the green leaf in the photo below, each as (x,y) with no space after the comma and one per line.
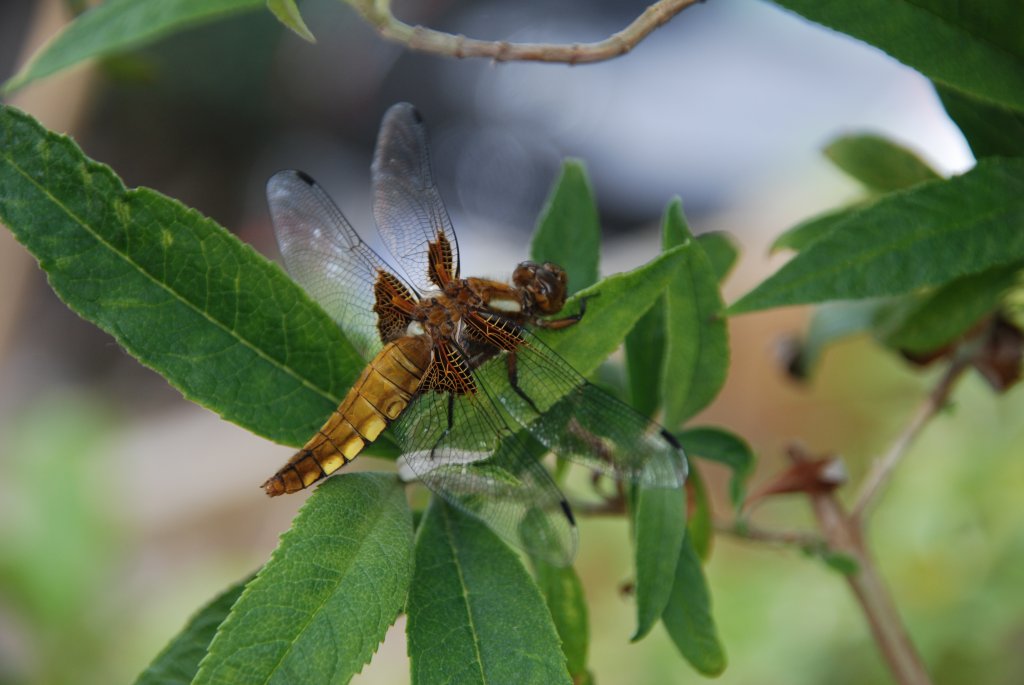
(119,25)
(687,617)
(833,321)
(569,231)
(929,322)
(564,596)
(698,520)
(645,343)
(288,14)
(697,346)
(988,59)
(222,324)
(716,444)
(879,163)
(645,356)
(614,305)
(178,662)
(840,562)
(990,130)
(317,611)
(721,249)
(474,614)
(843,563)
(921,237)
(806,232)
(660,524)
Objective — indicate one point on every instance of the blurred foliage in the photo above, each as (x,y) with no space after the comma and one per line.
(948,535)
(59,541)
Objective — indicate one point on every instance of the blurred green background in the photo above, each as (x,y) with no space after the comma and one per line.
(123,507)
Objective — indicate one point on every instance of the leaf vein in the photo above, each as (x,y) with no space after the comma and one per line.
(164,286)
(464,594)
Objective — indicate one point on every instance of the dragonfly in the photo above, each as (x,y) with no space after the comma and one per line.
(472,396)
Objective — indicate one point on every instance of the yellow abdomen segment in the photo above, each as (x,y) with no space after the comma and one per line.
(378,397)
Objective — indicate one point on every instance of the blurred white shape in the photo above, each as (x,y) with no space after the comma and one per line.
(725,96)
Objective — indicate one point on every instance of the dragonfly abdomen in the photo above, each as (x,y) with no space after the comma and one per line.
(378,397)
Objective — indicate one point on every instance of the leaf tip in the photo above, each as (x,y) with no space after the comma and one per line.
(641,632)
(574,165)
(675,231)
(778,245)
(740,306)
(12,84)
(288,14)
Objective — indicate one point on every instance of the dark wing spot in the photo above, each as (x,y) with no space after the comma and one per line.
(306,178)
(568,512)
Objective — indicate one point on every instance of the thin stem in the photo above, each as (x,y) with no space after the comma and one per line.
(843,535)
(788,538)
(378,13)
(881,471)
(843,532)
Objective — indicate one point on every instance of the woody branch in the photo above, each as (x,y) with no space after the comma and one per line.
(378,13)
(842,531)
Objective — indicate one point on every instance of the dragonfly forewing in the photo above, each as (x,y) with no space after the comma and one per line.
(406,204)
(325,255)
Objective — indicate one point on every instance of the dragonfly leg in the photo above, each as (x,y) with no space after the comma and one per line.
(565,322)
(451,423)
(513,380)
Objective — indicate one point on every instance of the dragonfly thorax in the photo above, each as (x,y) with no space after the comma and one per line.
(439,316)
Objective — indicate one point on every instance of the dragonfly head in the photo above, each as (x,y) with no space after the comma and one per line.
(543,287)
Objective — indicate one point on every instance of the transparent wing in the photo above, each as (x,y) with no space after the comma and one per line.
(325,255)
(406,205)
(579,421)
(461,448)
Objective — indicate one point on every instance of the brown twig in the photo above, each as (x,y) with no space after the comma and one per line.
(843,535)
(883,467)
(609,508)
(378,13)
(843,532)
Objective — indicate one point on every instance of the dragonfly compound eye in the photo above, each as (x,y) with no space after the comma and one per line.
(525,274)
(549,288)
